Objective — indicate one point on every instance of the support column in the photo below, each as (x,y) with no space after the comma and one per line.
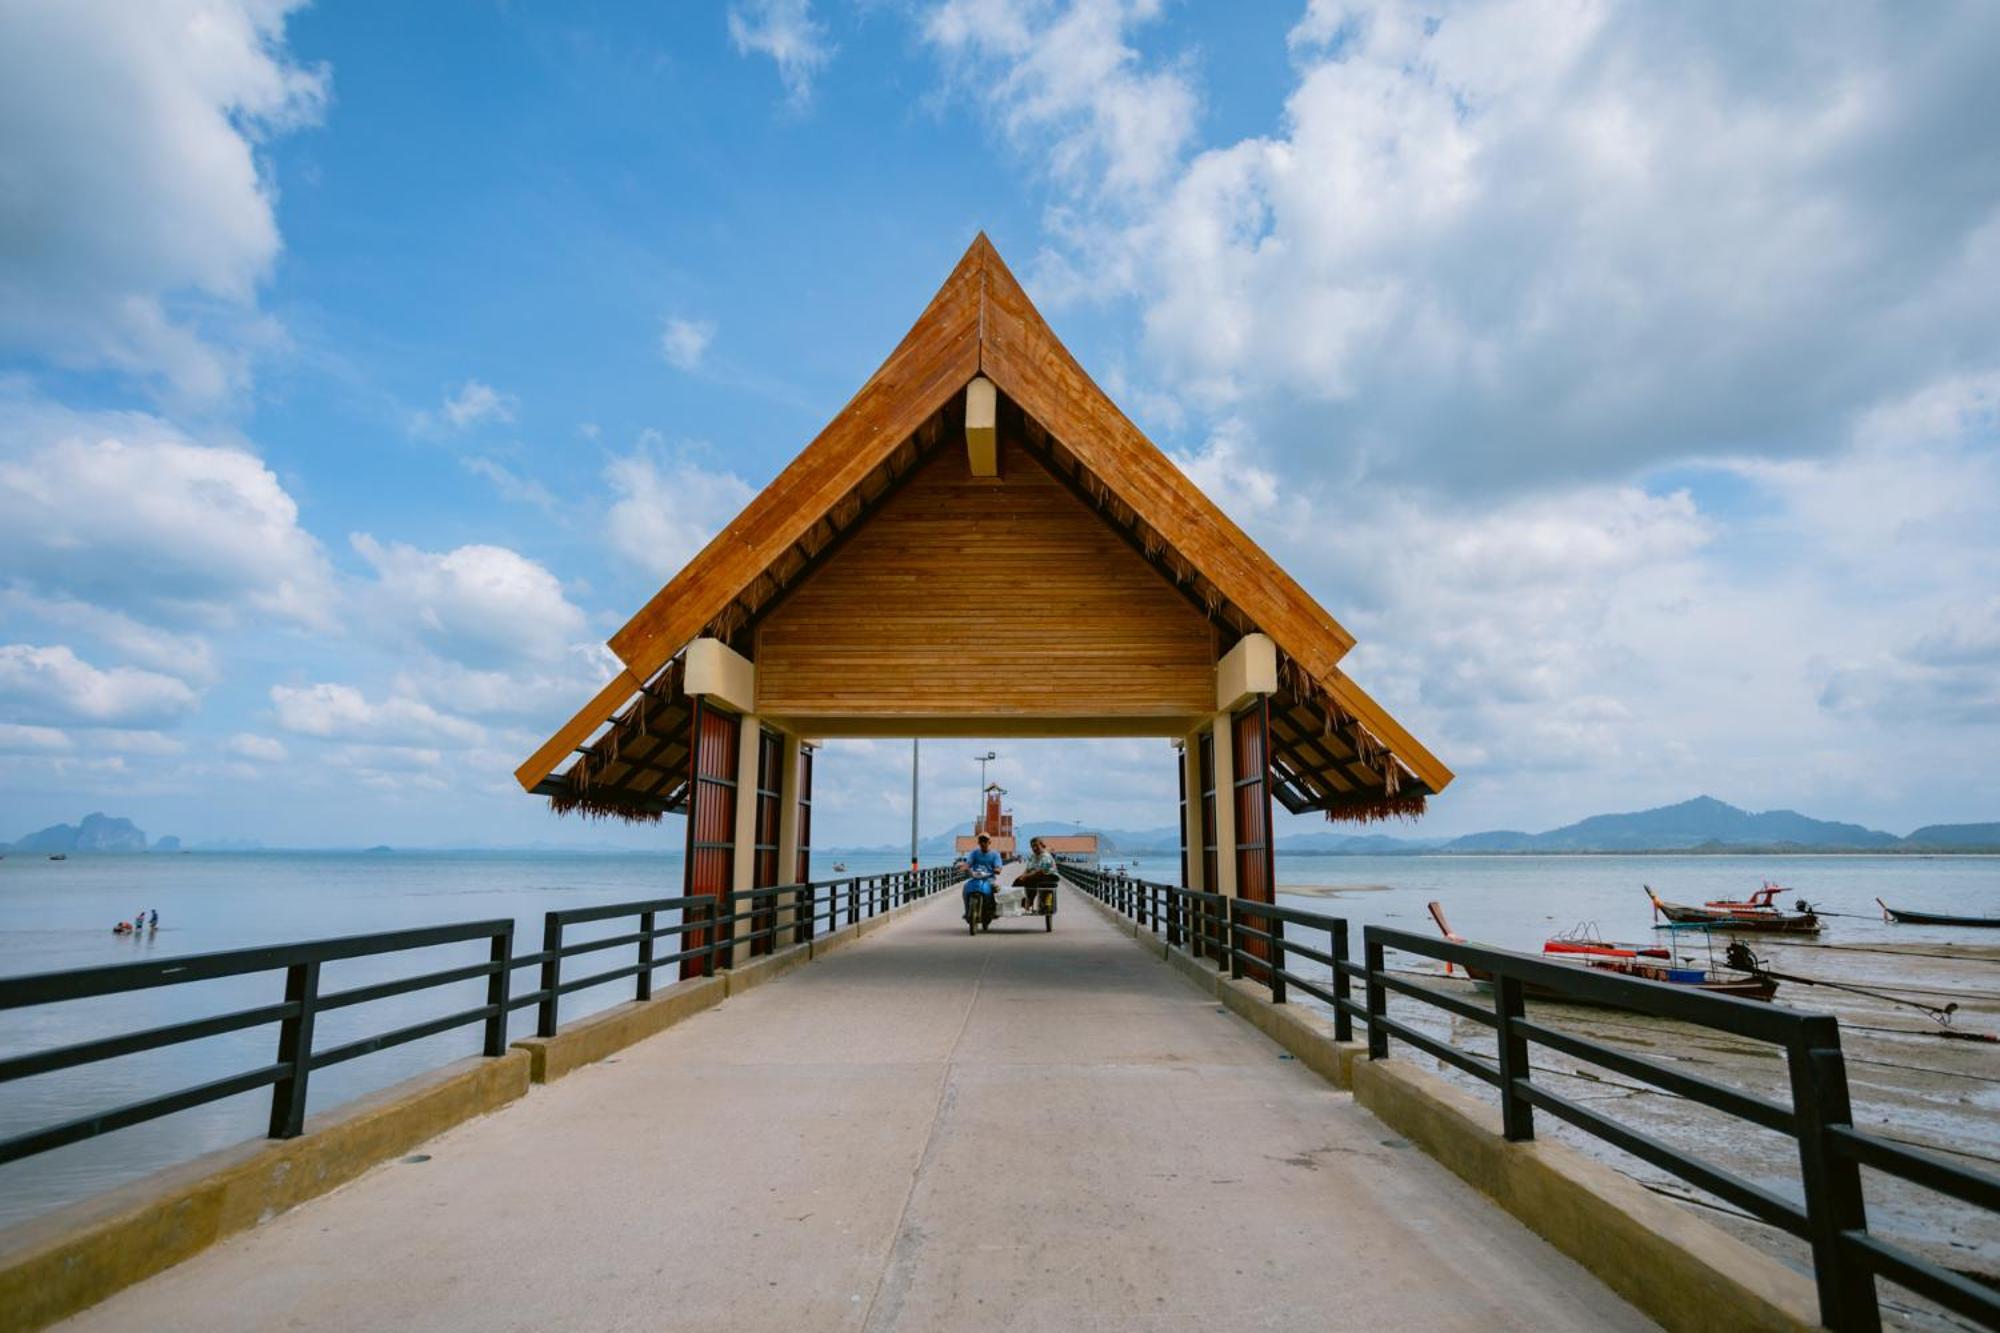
(788,828)
(1225,806)
(1193,831)
(748,737)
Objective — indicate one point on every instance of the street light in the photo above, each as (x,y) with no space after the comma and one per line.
(984,760)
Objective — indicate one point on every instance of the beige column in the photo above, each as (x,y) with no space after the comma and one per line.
(745,862)
(1192,832)
(788,824)
(1225,807)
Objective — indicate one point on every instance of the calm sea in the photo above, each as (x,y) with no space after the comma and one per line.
(58,915)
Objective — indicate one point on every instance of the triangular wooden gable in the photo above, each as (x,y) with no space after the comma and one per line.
(982,323)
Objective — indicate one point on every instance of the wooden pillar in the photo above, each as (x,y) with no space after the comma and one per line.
(714,750)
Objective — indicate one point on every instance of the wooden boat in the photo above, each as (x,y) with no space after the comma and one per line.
(1760,914)
(58,856)
(1648,962)
(1907,918)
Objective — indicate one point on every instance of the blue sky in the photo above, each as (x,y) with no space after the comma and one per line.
(1624,377)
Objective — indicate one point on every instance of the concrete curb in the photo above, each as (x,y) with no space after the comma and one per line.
(588,1040)
(54,1266)
(1671,1265)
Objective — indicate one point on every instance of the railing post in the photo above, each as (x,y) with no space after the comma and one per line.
(1832,1180)
(853,900)
(644,990)
(725,911)
(499,985)
(1277,959)
(1343,1022)
(802,922)
(545,1013)
(1220,934)
(712,935)
(1233,926)
(295,1040)
(1173,919)
(1378,999)
(1517,1116)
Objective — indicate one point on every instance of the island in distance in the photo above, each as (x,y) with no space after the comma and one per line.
(93,833)
(1703,824)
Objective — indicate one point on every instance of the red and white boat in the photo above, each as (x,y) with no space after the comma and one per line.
(1583,948)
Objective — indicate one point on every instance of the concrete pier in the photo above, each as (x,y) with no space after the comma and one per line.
(922,1131)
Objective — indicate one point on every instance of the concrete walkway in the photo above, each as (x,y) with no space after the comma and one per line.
(923,1131)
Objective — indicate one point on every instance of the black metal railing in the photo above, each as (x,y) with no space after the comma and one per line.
(1832,1219)
(717,931)
(288,1074)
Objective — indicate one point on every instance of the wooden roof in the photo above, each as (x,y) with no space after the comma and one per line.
(1336,749)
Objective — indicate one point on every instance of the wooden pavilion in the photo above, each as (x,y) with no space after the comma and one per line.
(854,597)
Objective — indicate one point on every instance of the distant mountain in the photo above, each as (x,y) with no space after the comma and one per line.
(1701,822)
(96,833)
(1956,836)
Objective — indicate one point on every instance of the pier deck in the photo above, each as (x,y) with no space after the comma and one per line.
(922,1131)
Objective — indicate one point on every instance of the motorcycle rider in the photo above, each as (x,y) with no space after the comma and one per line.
(981,866)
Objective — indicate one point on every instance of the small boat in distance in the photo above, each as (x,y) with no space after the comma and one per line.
(1903,917)
(1583,948)
(1759,913)
(840,867)
(58,856)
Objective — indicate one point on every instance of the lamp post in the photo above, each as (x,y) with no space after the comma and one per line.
(984,760)
(914,744)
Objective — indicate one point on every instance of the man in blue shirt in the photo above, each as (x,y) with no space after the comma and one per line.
(981,867)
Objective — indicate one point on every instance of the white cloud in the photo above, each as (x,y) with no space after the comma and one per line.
(139,217)
(477,605)
(667,509)
(511,485)
(16,738)
(1490,245)
(52,684)
(248,745)
(528,694)
(1070,84)
(188,656)
(684,342)
(120,510)
(341,712)
(473,403)
(786,31)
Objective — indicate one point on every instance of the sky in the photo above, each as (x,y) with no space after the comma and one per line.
(1626,377)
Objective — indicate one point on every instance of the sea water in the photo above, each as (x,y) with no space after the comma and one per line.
(56,915)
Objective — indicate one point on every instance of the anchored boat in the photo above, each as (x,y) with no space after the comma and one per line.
(1583,948)
(1903,917)
(1758,912)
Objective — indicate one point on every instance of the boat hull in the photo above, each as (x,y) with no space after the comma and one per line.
(1905,918)
(1742,988)
(1772,923)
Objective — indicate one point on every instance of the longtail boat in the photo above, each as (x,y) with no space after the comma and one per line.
(1903,917)
(1759,914)
(1648,962)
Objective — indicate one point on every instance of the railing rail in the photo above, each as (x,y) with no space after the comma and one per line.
(752,921)
(1832,1220)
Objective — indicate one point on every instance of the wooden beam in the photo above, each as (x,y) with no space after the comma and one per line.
(982,438)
